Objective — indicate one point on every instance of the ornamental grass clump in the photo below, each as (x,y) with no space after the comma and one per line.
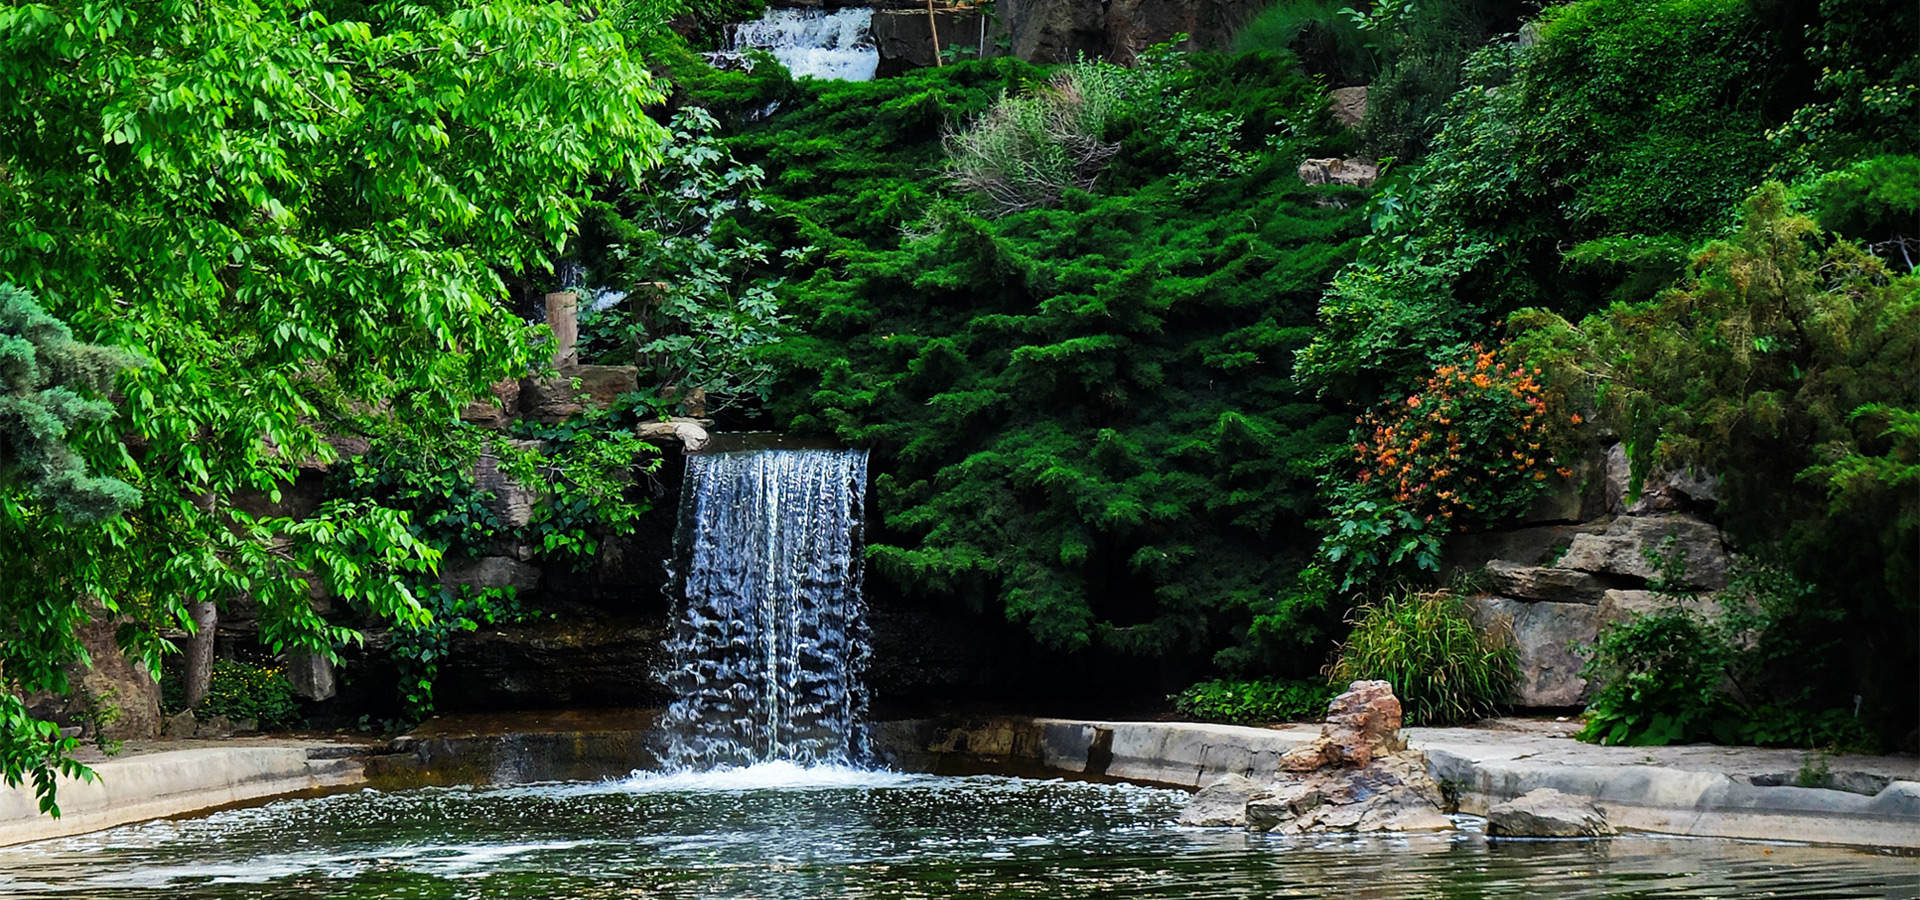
(1026,152)
(1444,671)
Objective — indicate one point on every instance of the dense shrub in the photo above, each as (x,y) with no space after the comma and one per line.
(1241,702)
(241,690)
(1081,415)
(1443,669)
(1741,677)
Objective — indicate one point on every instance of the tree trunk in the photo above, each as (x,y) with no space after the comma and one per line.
(200,650)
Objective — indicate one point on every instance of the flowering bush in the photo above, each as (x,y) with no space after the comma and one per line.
(1473,446)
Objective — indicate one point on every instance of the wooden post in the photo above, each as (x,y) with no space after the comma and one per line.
(934,27)
(563,316)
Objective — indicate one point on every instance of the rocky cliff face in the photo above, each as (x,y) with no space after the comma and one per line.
(1588,561)
(1052,31)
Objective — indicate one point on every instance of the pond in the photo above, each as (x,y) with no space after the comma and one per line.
(780,831)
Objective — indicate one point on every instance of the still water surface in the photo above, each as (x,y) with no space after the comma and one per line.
(782,832)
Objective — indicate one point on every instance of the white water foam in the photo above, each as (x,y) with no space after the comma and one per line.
(812,43)
(780,775)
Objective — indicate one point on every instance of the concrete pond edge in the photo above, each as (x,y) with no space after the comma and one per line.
(1676,791)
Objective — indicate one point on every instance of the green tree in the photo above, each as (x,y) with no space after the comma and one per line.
(300,214)
(1783,362)
(51,385)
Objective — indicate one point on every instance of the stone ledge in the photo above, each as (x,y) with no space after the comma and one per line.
(171,783)
(1694,790)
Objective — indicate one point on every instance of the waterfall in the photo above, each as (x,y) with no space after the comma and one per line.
(834,44)
(770,641)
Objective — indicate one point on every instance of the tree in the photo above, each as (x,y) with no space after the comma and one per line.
(300,214)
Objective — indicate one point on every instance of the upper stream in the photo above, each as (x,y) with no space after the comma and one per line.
(779,831)
(811,42)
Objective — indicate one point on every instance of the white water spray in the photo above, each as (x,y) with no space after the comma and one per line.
(810,42)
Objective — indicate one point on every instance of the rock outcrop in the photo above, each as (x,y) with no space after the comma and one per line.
(1547,813)
(1636,546)
(1357,775)
(1351,172)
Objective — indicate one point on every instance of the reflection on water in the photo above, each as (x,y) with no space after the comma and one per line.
(785,832)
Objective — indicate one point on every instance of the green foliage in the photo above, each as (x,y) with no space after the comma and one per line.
(1867,95)
(1662,677)
(695,311)
(1370,539)
(578,472)
(1444,670)
(241,690)
(1243,702)
(1081,416)
(1876,202)
(51,385)
(1741,677)
(1328,43)
(300,217)
(1782,362)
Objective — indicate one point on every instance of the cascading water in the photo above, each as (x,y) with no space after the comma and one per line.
(771,638)
(810,42)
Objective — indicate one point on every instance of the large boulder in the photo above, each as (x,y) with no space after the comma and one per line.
(1663,491)
(1547,813)
(1391,793)
(1351,172)
(1634,545)
(1362,722)
(1222,803)
(575,388)
(1547,638)
(1357,776)
(491,572)
(1554,583)
(1349,105)
(112,697)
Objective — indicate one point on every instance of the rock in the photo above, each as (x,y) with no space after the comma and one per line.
(690,433)
(1546,812)
(1626,546)
(180,726)
(905,40)
(491,572)
(246,726)
(311,674)
(216,727)
(1280,803)
(573,389)
(1391,793)
(1536,545)
(1553,583)
(497,411)
(1353,172)
(571,662)
(1349,105)
(1356,776)
(1545,638)
(1222,803)
(1579,496)
(1663,490)
(1361,723)
(113,697)
(511,501)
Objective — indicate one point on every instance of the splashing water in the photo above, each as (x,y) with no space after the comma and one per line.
(810,42)
(770,641)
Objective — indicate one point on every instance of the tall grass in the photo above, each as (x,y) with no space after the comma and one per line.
(1444,671)
(1027,151)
